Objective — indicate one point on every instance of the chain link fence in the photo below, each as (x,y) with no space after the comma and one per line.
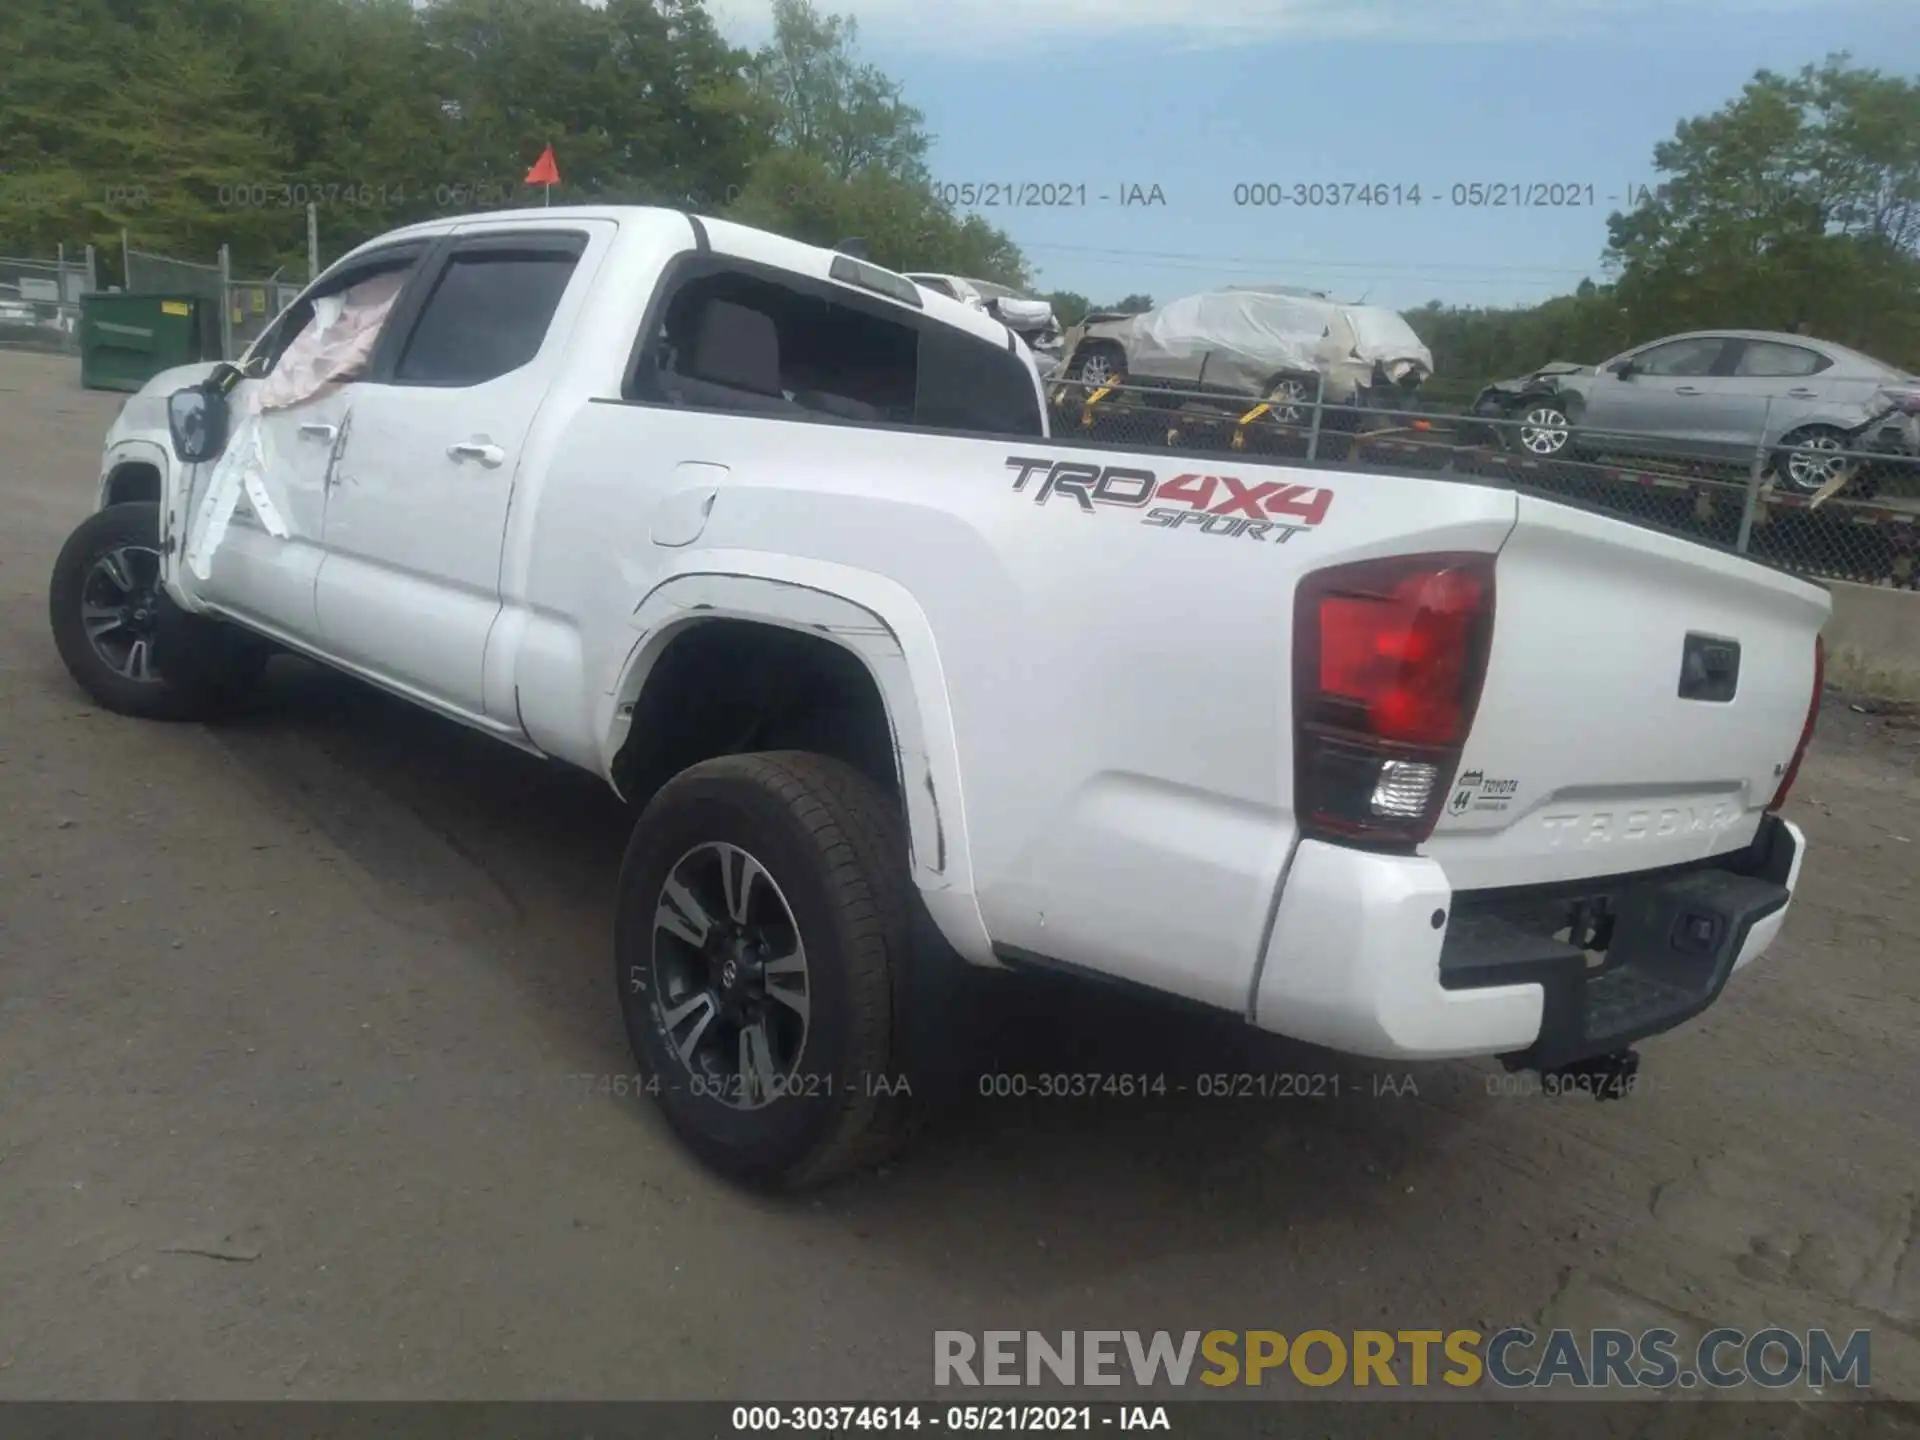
(40,301)
(246,306)
(40,298)
(252,305)
(1846,509)
(149,274)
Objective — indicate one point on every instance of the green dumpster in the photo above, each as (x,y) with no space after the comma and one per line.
(126,340)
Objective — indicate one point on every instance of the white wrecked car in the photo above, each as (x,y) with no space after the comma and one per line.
(1031,319)
(1272,344)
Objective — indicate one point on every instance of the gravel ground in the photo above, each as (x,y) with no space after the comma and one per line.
(306,1017)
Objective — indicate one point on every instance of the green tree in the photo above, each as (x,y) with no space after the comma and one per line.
(337,87)
(116,116)
(1069,306)
(905,225)
(1795,204)
(197,123)
(643,102)
(850,159)
(828,104)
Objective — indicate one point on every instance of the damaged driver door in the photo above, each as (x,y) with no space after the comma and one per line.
(417,512)
(257,520)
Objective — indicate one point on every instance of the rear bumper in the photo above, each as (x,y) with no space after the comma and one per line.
(1376,955)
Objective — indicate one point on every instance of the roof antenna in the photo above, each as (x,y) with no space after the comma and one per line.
(854,246)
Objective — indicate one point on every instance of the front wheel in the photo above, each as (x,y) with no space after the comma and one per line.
(761,951)
(124,640)
(1545,430)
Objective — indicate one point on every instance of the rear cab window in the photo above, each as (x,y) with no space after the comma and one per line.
(740,337)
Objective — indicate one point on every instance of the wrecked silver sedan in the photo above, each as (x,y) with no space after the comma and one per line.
(1813,408)
(1278,345)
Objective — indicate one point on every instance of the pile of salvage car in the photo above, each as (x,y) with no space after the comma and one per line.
(1254,367)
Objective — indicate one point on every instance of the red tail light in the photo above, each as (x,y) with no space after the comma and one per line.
(1806,730)
(1389,656)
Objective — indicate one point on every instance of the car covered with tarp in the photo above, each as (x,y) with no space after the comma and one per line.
(1285,345)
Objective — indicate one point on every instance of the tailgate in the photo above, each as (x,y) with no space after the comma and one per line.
(1643,698)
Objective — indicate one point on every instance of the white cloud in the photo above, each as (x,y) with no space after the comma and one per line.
(970,24)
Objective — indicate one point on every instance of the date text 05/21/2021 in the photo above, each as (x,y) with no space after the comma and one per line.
(1047,194)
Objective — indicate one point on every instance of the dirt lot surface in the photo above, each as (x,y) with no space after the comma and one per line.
(304,1019)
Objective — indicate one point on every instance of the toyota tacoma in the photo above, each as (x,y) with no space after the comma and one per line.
(777,543)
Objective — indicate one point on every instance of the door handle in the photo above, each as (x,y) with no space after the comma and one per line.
(320,432)
(1804,394)
(1686,390)
(487,454)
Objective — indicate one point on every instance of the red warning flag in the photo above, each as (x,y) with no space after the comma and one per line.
(544,171)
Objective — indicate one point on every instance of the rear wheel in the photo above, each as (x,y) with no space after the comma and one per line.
(1099,364)
(761,953)
(1291,399)
(124,640)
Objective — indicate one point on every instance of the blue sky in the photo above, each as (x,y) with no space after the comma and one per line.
(1117,93)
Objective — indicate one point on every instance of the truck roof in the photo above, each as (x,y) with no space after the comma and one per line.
(745,241)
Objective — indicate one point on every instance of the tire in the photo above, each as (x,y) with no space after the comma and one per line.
(832,845)
(124,640)
(1798,470)
(1543,430)
(1098,363)
(1291,399)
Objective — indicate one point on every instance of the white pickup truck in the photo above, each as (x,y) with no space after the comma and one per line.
(777,543)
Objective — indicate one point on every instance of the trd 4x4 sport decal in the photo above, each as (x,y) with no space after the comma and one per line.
(1212,504)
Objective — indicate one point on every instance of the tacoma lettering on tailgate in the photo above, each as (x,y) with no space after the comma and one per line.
(1221,505)
(1605,827)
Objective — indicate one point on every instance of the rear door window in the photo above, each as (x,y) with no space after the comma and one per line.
(1771,358)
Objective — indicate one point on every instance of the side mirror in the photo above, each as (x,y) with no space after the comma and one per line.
(1622,369)
(197,421)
